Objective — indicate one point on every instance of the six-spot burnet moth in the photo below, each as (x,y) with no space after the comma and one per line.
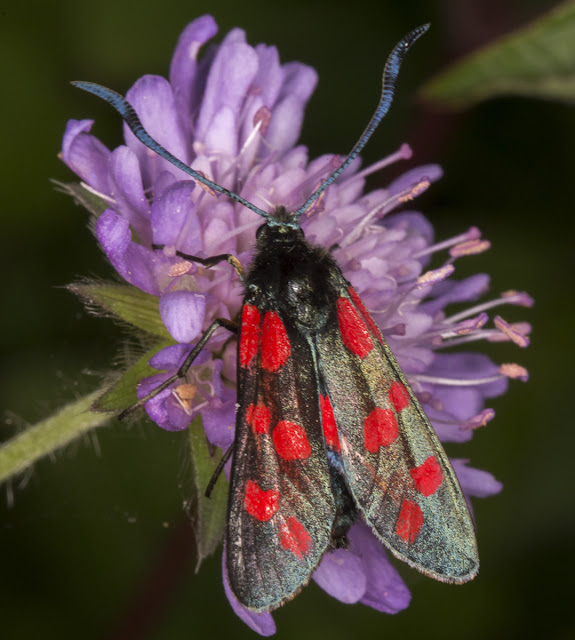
(328,429)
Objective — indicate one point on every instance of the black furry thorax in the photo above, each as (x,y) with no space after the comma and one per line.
(292,275)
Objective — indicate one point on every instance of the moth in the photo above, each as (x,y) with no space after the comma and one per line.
(328,429)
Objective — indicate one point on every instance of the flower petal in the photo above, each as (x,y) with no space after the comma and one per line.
(407,180)
(468,366)
(153,100)
(286,122)
(230,77)
(170,358)
(183,69)
(183,314)
(128,191)
(475,482)
(261,623)
(158,407)
(414,223)
(219,420)
(341,574)
(269,79)
(86,155)
(175,221)
(287,115)
(134,263)
(385,590)
(452,291)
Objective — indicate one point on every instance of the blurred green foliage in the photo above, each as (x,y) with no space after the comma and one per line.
(535,61)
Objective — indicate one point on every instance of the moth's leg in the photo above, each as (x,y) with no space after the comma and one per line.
(212,260)
(218,322)
(219,469)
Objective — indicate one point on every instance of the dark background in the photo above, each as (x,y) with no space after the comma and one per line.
(93,544)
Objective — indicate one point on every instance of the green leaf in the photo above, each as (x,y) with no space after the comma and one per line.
(95,204)
(535,61)
(208,514)
(125,302)
(70,422)
(122,393)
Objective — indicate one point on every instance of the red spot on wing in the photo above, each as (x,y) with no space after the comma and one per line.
(275,342)
(295,538)
(428,476)
(409,521)
(290,441)
(379,429)
(354,332)
(258,416)
(398,396)
(250,333)
(259,503)
(328,423)
(357,301)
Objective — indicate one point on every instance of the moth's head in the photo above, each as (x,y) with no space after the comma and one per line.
(280,226)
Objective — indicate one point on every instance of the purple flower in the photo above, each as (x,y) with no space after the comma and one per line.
(235,115)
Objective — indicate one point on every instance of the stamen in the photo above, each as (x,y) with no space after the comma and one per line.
(523,328)
(480,420)
(471,325)
(434,275)
(316,206)
(441,338)
(472,337)
(514,371)
(262,118)
(400,300)
(466,327)
(261,121)
(397,330)
(491,335)
(360,227)
(518,297)
(473,233)
(469,248)
(456,382)
(511,332)
(180,268)
(317,178)
(206,187)
(184,394)
(249,140)
(510,297)
(312,182)
(385,207)
(410,194)
(98,193)
(403,153)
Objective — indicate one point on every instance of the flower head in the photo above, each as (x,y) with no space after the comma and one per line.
(235,115)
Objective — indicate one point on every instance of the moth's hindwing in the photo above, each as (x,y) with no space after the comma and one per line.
(281,508)
(394,464)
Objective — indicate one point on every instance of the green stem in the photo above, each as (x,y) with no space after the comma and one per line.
(49,435)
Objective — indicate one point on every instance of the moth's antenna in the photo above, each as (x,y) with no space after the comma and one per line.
(390,73)
(125,109)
